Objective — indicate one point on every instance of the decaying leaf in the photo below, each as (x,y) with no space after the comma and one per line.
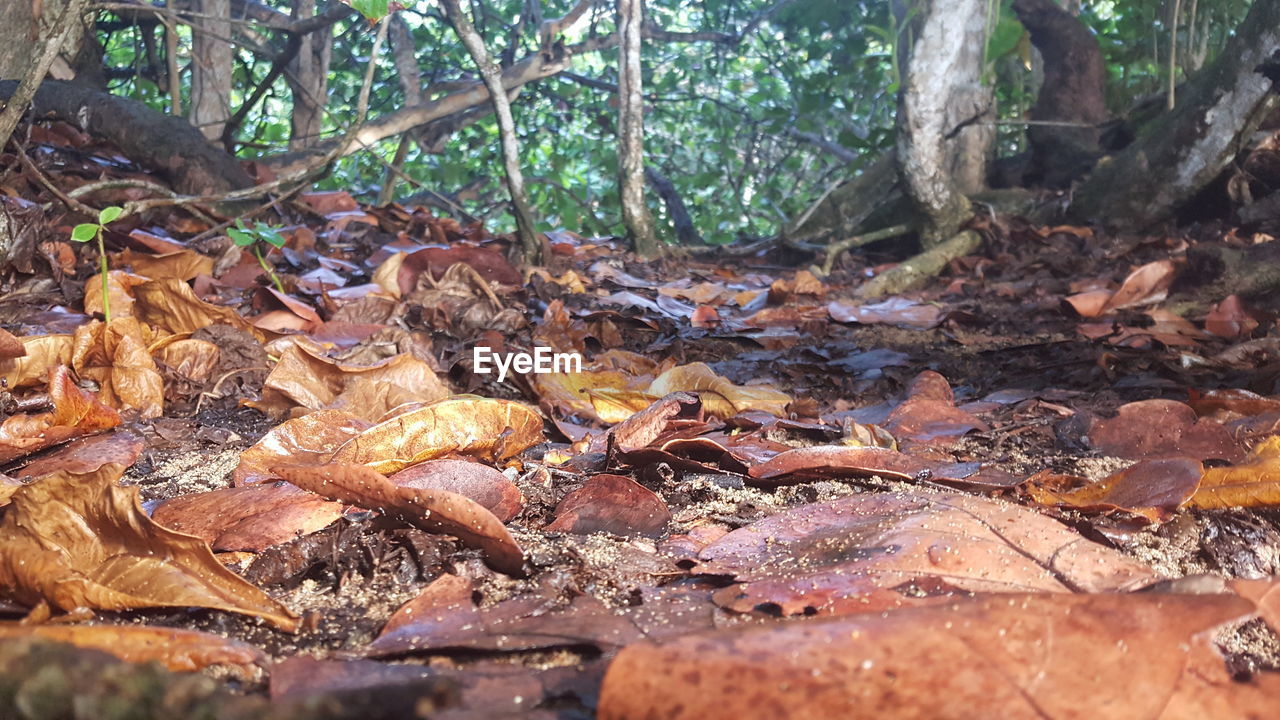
(828,461)
(171,305)
(719,396)
(928,414)
(484,428)
(1004,655)
(76,413)
(486,485)
(437,511)
(176,650)
(116,355)
(79,542)
(312,438)
(87,454)
(1150,429)
(863,553)
(40,354)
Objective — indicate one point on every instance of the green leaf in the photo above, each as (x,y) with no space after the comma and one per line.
(109,214)
(372,9)
(84,232)
(273,237)
(240,237)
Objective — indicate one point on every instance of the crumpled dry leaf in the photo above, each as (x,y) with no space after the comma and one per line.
(87,454)
(438,511)
(306,377)
(1153,489)
(576,393)
(642,428)
(177,650)
(311,438)
(41,353)
(719,396)
(120,286)
(1008,656)
(929,415)
(182,265)
(115,355)
(1255,482)
(75,413)
(79,542)
(866,553)
(10,346)
(171,305)
(485,428)
(194,360)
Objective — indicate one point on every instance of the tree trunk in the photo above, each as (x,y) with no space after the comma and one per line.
(1072,99)
(211,57)
(1186,148)
(943,136)
(635,213)
(309,80)
(21,30)
(492,74)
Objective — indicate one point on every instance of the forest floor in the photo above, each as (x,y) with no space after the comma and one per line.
(1069,420)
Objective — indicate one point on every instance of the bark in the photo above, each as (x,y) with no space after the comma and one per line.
(1073,91)
(21,30)
(211,58)
(308,79)
(170,146)
(635,212)
(492,74)
(53,40)
(942,139)
(1186,148)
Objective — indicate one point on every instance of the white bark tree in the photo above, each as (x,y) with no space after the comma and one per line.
(211,58)
(635,212)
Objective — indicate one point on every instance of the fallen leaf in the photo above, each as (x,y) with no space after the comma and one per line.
(171,305)
(76,413)
(87,454)
(80,542)
(489,487)
(116,356)
(40,354)
(865,553)
(249,517)
(306,377)
(1150,429)
(10,346)
(311,438)
(1255,482)
(642,428)
(719,396)
(929,415)
(895,311)
(438,511)
(1009,656)
(1151,488)
(612,504)
(829,461)
(1232,318)
(1147,285)
(484,428)
(177,650)
(120,286)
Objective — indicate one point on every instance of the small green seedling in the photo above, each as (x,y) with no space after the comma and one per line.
(85,232)
(254,237)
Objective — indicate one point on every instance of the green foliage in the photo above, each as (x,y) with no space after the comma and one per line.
(748,132)
(254,237)
(84,232)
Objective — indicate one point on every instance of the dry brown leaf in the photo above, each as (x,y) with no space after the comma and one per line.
(1147,285)
(1253,483)
(719,396)
(10,346)
(1153,489)
(1110,657)
(249,517)
(177,650)
(306,377)
(120,286)
(438,511)
(613,504)
(1150,429)
(75,413)
(116,356)
(309,439)
(486,485)
(571,393)
(171,305)
(191,359)
(87,454)
(41,353)
(182,265)
(485,428)
(79,542)
(865,553)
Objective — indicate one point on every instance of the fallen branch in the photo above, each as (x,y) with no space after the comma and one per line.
(915,271)
(839,247)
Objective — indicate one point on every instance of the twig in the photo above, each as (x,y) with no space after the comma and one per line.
(839,247)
